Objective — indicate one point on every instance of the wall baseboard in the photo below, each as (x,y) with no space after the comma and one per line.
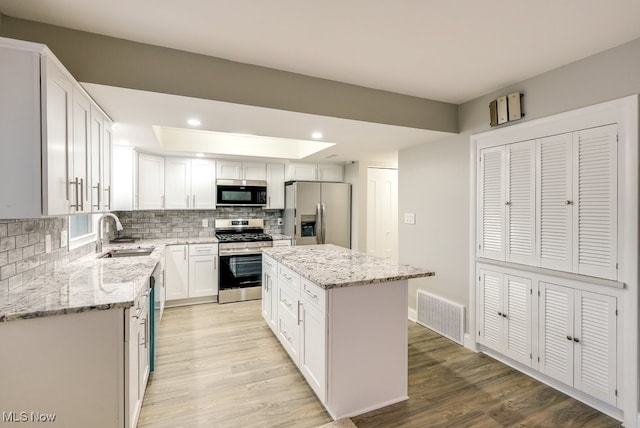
(413,315)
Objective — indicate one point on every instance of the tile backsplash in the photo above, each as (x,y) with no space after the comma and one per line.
(22,249)
(188,223)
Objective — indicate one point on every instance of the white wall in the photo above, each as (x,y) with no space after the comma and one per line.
(434,177)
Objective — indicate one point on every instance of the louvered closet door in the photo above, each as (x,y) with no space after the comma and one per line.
(595,214)
(520,203)
(491,300)
(517,311)
(555,202)
(491,227)
(595,351)
(555,328)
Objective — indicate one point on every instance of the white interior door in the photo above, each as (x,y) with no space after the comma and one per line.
(382,212)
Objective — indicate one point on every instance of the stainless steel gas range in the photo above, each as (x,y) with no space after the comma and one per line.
(240,244)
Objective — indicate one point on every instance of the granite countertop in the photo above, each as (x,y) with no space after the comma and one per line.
(330,266)
(89,283)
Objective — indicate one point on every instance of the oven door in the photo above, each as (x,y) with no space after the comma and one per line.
(240,277)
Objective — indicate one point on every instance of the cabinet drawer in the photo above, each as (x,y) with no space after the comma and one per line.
(288,278)
(288,303)
(282,243)
(203,249)
(289,335)
(269,263)
(313,295)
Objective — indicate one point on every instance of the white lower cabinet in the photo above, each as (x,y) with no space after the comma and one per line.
(578,336)
(505,314)
(313,362)
(269,293)
(576,323)
(191,271)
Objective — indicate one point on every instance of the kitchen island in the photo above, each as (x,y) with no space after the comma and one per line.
(342,318)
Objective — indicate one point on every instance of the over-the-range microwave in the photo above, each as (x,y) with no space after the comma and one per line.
(243,193)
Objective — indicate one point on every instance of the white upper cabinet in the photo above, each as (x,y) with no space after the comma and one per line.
(314,172)
(552,202)
(203,184)
(107,164)
(101,132)
(491,206)
(47,168)
(79,162)
(275,186)
(232,170)
(520,203)
(555,199)
(57,123)
(595,209)
(150,182)
(330,172)
(177,186)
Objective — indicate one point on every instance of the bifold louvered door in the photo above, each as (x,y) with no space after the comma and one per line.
(554,201)
(578,337)
(491,204)
(595,211)
(505,314)
(520,203)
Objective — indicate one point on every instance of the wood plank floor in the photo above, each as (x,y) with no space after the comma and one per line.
(220,366)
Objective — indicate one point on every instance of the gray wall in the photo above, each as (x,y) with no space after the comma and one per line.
(110,61)
(434,177)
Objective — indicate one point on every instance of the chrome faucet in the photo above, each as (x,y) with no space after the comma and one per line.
(100,235)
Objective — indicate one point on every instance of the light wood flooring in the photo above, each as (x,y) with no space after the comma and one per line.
(220,366)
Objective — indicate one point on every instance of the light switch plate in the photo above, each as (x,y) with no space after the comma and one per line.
(279,221)
(47,243)
(205,222)
(409,218)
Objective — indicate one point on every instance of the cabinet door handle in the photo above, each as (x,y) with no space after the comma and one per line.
(215,263)
(162,200)
(286,303)
(184,255)
(299,304)
(108,190)
(82,194)
(187,201)
(194,201)
(286,336)
(310,294)
(269,201)
(97,187)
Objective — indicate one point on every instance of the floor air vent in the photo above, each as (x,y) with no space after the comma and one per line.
(441,316)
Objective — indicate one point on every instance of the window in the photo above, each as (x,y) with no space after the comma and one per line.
(81,230)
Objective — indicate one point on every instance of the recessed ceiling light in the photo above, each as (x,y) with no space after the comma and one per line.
(200,155)
(316,135)
(193,122)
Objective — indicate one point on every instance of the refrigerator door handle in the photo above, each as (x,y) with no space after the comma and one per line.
(318,224)
(324,228)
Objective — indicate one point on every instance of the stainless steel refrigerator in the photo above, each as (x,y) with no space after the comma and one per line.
(318,213)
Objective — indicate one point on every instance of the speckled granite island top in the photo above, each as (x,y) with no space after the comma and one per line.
(330,266)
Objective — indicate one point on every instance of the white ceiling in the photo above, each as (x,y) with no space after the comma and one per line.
(444,50)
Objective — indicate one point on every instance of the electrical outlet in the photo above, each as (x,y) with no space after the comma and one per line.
(279,221)
(63,238)
(409,218)
(205,222)
(47,244)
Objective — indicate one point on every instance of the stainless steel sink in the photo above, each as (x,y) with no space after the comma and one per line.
(128,252)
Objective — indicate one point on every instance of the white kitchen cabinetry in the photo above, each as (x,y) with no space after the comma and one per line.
(282,243)
(89,369)
(270,292)
(330,172)
(203,270)
(191,271)
(189,183)
(505,313)
(203,184)
(232,170)
(329,333)
(314,172)
(578,339)
(150,182)
(275,186)
(570,222)
(177,272)
(79,155)
(101,161)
